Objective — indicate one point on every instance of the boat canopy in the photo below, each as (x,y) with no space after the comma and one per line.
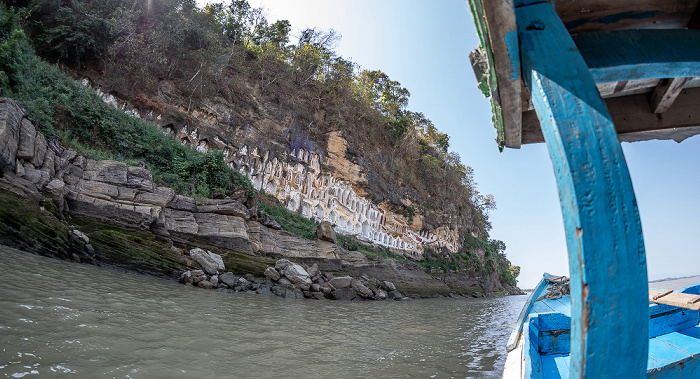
(618,39)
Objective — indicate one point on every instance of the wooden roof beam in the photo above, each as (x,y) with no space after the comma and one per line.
(640,54)
(665,93)
(632,114)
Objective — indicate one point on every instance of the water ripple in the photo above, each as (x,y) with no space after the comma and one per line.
(78,319)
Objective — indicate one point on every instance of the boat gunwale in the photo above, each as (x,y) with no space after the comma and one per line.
(518,329)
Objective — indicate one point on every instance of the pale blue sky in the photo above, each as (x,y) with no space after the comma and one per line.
(425,45)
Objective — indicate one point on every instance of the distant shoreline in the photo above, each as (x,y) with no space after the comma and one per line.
(675,283)
(671,279)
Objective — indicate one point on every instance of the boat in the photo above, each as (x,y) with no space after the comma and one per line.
(539,346)
(582,76)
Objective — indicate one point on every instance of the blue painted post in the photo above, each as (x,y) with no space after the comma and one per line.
(603,233)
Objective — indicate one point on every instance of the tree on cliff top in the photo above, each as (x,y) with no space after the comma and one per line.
(133,46)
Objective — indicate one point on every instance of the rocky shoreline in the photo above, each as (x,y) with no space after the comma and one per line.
(287,279)
(56,202)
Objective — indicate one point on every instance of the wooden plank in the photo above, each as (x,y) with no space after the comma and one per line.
(541,307)
(566,304)
(531,355)
(555,342)
(640,54)
(582,16)
(515,335)
(603,232)
(665,94)
(688,368)
(489,82)
(553,321)
(673,320)
(689,344)
(676,299)
(500,17)
(557,306)
(654,294)
(664,353)
(550,369)
(631,114)
(692,331)
(563,364)
(512,369)
(652,364)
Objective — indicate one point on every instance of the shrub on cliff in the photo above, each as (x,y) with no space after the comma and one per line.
(290,221)
(58,105)
(230,51)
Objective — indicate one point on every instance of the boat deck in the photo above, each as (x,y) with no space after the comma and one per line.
(674,344)
(664,350)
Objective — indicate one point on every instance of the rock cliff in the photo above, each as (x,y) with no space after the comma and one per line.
(57,202)
(321,177)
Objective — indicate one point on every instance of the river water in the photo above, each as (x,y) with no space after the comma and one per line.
(59,318)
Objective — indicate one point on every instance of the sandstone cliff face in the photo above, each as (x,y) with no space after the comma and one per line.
(321,178)
(108,193)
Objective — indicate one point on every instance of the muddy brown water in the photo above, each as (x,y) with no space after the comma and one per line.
(63,319)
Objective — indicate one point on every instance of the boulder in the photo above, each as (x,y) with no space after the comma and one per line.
(381,295)
(226,207)
(271,273)
(341,282)
(243,282)
(281,264)
(210,262)
(285,283)
(313,271)
(206,284)
(193,276)
(55,187)
(214,280)
(315,287)
(297,275)
(228,279)
(78,235)
(27,140)
(279,291)
(270,222)
(344,294)
(11,117)
(318,296)
(361,289)
(389,286)
(327,289)
(395,295)
(295,294)
(325,232)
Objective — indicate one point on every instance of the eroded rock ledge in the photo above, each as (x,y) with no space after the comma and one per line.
(127,221)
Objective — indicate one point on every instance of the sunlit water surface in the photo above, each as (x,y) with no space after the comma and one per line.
(60,318)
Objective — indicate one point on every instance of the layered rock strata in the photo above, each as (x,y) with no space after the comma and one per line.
(294,176)
(114,193)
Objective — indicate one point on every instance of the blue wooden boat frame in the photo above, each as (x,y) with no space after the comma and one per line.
(528,41)
(542,338)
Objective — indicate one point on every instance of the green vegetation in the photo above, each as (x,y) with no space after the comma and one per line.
(32,226)
(466,259)
(60,106)
(132,249)
(230,51)
(353,244)
(290,221)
